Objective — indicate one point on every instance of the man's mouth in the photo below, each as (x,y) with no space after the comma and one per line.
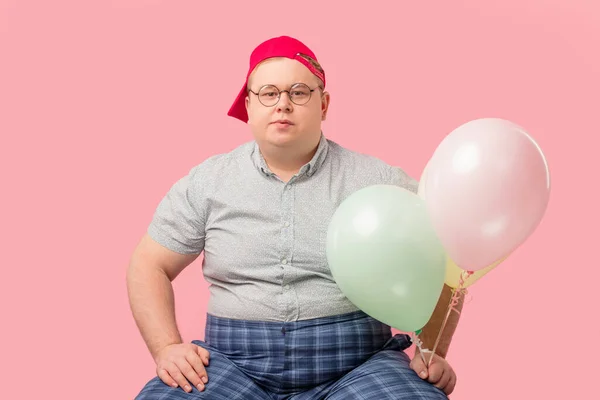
(283,121)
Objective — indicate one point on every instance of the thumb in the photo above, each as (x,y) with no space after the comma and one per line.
(419,366)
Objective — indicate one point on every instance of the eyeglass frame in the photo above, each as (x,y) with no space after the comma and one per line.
(279,92)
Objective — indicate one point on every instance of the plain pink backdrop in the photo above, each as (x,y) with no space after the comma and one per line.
(104,104)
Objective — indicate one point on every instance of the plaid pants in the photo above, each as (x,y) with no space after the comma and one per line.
(344,357)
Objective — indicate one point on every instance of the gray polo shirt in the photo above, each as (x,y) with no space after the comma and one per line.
(263,239)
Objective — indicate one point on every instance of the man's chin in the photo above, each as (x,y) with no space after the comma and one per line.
(282,139)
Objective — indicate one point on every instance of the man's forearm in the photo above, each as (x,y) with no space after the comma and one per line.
(152,303)
(432,328)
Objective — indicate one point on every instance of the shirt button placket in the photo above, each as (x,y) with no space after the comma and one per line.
(287,237)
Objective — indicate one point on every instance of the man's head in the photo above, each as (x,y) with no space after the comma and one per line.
(284,83)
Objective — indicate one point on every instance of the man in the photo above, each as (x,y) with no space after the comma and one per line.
(277,327)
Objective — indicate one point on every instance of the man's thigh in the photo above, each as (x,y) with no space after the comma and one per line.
(225,382)
(385,376)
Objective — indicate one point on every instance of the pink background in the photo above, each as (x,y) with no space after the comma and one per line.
(104,104)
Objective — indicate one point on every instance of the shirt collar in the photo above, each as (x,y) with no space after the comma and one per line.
(309,169)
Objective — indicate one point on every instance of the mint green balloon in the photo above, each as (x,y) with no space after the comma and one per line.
(385,256)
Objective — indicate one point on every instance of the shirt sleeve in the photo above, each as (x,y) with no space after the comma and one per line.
(178,222)
(399,177)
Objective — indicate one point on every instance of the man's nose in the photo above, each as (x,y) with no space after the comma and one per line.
(284,101)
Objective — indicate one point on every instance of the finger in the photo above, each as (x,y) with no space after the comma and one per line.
(177,375)
(204,354)
(442,382)
(196,362)
(418,366)
(451,385)
(436,370)
(164,376)
(190,373)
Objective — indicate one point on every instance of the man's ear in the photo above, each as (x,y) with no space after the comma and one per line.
(325,100)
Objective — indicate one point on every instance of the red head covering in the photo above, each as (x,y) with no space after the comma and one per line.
(282,46)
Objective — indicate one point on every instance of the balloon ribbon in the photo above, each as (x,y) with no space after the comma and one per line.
(456,293)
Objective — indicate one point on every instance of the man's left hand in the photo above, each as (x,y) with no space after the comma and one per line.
(440,373)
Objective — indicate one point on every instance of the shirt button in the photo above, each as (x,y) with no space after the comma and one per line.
(287,287)
(287,223)
(284,261)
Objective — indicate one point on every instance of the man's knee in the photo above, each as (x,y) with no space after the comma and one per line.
(156,389)
(385,376)
(225,381)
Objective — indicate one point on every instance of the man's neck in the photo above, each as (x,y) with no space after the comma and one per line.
(286,164)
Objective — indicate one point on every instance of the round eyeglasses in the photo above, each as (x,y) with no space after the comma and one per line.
(269,95)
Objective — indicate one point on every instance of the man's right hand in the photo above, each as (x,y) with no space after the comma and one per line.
(181,363)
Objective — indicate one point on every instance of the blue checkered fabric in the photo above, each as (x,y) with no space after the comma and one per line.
(350,356)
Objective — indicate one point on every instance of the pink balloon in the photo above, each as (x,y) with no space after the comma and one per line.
(487,187)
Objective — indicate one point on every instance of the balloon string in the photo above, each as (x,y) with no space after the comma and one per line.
(451,307)
(419,344)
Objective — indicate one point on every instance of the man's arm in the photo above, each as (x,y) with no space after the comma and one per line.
(432,328)
(439,373)
(151,270)
(149,276)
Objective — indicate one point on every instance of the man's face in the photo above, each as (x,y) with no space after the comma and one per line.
(302,126)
